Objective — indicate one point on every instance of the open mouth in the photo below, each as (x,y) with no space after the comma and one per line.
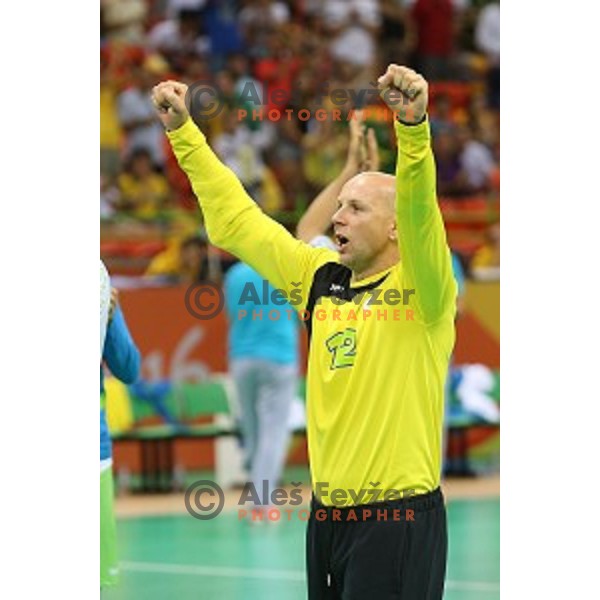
(341,241)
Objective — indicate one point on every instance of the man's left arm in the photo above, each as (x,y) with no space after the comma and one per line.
(424,252)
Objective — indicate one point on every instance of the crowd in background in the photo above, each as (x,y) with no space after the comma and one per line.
(246,49)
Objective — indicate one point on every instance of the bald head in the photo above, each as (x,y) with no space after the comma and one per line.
(365,223)
(372,187)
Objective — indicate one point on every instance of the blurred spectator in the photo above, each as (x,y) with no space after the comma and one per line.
(179,37)
(441,119)
(174,7)
(123,20)
(224,31)
(476,160)
(250,102)
(306,49)
(485,265)
(487,39)
(241,150)
(143,191)
(277,71)
(450,179)
(196,68)
(193,264)
(110,128)
(109,197)
(243,81)
(436,23)
(352,26)
(258,19)
(187,260)
(137,113)
(398,37)
(486,122)
(166,262)
(226,86)
(317,63)
(286,160)
(464,164)
(325,148)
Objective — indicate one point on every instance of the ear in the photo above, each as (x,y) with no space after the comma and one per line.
(393,233)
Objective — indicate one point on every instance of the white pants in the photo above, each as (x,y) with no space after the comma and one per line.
(265,390)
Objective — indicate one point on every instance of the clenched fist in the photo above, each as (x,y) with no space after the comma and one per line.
(169,98)
(405,92)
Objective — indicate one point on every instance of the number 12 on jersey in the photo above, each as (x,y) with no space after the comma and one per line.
(342,346)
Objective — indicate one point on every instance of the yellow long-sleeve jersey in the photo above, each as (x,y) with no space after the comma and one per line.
(379,351)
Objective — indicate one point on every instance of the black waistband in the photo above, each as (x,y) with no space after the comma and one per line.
(417,503)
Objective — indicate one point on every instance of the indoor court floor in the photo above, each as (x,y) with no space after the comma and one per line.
(176,556)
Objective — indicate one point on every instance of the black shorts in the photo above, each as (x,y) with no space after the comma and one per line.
(392,550)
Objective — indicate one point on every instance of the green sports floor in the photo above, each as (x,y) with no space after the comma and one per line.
(180,557)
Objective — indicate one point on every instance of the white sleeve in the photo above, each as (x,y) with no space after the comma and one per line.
(369,12)
(487,30)
(322,241)
(163,35)
(335,12)
(280,13)
(128,108)
(104,304)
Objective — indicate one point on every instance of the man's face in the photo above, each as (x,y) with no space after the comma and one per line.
(364,224)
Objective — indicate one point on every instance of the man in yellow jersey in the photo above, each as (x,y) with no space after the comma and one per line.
(380,318)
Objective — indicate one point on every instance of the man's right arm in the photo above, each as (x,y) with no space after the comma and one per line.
(233,220)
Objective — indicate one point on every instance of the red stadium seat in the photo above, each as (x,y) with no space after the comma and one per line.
(467,220)
(458,93)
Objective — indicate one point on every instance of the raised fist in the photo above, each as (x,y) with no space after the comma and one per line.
(405,92)
(169,98)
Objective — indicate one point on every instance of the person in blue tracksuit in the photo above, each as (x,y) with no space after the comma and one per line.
(122,357)
(263,359)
